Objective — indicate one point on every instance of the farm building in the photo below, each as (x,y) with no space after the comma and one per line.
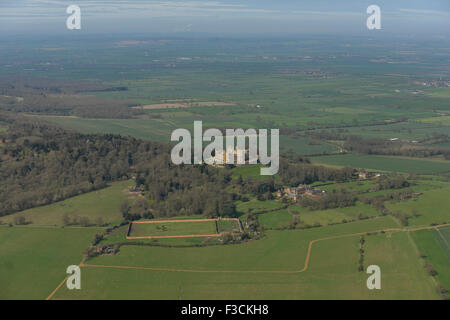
(294,193)
(363,175)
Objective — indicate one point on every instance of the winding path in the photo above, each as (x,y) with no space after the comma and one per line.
(305,267)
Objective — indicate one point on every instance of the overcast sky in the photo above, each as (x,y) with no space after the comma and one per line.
(426,17)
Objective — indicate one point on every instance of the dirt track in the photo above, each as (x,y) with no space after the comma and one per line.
(307,259)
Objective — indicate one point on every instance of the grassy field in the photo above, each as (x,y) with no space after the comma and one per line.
(273,252)
(333,264)
(103,204)
(428,243)
(228,226)
(34,259)
(443,121)
(140,128)
(282,218)
(256,205)
(336,215)
(275,219)
(432,207)
(385,163)
(442,235)
(253,171)
(172,228)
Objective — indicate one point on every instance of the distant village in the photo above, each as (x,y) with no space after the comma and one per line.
(434,83)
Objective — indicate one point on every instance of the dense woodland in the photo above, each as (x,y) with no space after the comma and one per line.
(41,163)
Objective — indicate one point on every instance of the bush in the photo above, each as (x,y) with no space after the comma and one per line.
(20,220)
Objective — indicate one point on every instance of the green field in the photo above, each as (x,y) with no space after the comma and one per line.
(384,163)
(172,228)
(256,205)
(275,219)
(253,171)
(428,243)
(333,264)
(443,121)
(102,204)
(34,259)
(442,235)
(432,207)
(273,252)
(282,218)
(228,226)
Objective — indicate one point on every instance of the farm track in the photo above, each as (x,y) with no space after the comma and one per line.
(305,267)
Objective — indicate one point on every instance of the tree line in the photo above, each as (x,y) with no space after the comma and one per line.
(41,163)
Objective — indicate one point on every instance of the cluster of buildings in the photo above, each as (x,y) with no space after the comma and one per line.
(221,157)
(434,83)
(363,175)
(295,193)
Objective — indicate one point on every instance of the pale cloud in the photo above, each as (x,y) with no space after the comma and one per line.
(259,16)
(426,12)
(130,7)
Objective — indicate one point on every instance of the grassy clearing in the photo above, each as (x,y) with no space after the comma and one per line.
(385,163)
(102,204)
(253,171)
(172,228)
(34,259)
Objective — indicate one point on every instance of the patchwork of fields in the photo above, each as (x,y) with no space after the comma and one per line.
(384,163)
(318,93)
(294,264)
(268,269)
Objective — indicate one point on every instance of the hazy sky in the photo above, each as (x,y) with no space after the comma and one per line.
(427,17)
